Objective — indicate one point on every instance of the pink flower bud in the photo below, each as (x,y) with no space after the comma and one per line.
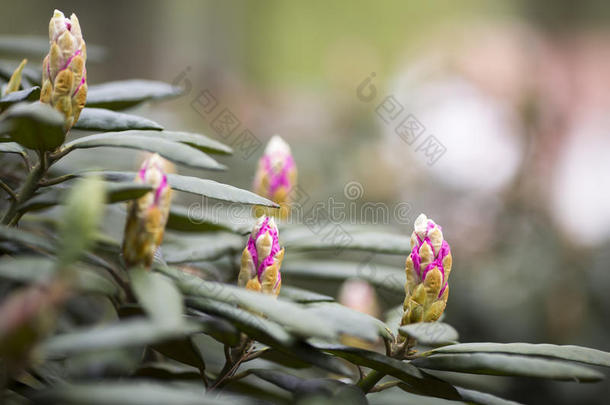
(262,258)
(276,175)
(427,267)
(147,216)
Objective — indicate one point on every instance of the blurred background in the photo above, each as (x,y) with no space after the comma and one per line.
(491,117)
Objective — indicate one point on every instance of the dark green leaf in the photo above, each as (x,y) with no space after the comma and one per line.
(158,296)
(565,352)
(363,241)
(187,248)
(131,393)
(303,296)
(34,126)
(382,276)
(431,333)
(123,94)
(198,141)
(115,192)
(482,398)
(128,333)
(196,218)
(100,119)
(510,365)
(292,316)
(12,147)
(253,325)
(29,94)
(412,376)
(25,238)
(202,187)
(174,151)
(350,322)
(38,46)
(27,269)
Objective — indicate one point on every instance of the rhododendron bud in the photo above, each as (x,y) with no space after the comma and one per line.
(276,176)
(147,216)
(428,267)
(64,76)
(262,258)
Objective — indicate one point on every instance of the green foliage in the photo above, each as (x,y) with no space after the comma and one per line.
(183,332)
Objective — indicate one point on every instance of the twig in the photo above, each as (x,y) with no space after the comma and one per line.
(9,190)
(56,180)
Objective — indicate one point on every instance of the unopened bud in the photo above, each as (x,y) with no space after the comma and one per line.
(147,216)
(427,267)
(262,258)
(64,76)
(276,177)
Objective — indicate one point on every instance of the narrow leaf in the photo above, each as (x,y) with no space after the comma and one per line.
(174,151)
(123,94)
(100,119)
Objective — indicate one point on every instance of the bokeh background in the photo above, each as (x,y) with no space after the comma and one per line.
(516,93)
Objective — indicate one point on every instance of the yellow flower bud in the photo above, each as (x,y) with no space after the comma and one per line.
(64,76)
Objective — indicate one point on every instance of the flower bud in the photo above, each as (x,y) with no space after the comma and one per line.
(360,296)
(64,76)
(427,267)
(147,216)
(276,176)
(262,258)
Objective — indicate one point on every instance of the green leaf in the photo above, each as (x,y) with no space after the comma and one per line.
(168,371)
(12,147)
(38,46)
(28,269)
(376,242)
(297,385)
(482,398)
(132,392)
(509,365)
(351,323)
(430,333)
(202,187)
(158,296)
(563,352)
(381,276)
(253,325)
(100,119)
(29,94)
(34,126)
(174,151)
(127,333)
(404,371)
(81,218)
(303,296)
(115,192)
(187,248)
(237,219)
(197,141)
(183,350)
(25,238)
(123,94)
(292,316)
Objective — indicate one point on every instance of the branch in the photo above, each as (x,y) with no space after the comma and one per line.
(9,190)
(56,180)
